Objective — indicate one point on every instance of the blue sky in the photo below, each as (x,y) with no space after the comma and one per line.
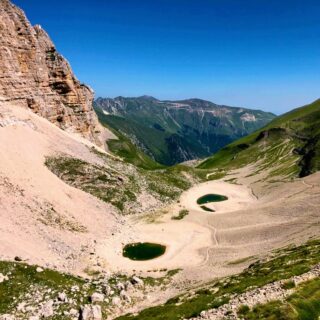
(253,53)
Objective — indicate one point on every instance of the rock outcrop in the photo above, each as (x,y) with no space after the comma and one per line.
(34,75)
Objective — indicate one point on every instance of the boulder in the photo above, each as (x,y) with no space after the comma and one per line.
(136,281)
(106,289)
(62,297)
(73,312)
(91,312)
(116,301)
(125,296)
(47,309)
(128,285)
(75,288)
(97,297)
(21,306)
(120,286)
(18,259)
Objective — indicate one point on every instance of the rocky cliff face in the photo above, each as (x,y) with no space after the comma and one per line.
(33,74)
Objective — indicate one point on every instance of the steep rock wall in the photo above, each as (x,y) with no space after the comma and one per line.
(34,75)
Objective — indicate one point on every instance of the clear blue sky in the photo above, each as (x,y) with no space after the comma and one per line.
(255,53)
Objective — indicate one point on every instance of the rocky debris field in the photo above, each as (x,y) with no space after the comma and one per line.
(270,292)
(32,292)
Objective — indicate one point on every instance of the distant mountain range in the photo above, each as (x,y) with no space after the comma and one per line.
(171,132)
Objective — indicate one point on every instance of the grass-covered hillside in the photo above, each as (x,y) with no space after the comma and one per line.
(123,147)
(302,304)
(175,131)
(129,188)
(288,146)
(284,266)
(30,292)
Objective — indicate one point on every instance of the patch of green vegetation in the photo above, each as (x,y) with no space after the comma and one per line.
(171,182)
(215,175)
(119,183)
(243,309)
(306,300)
(303,304)
(273,311)
(181,215)
(289,284)
(239,261)
(102,182)
(173,272)
(124,148)
(284,264)
(23,277)
(232,180)
(288,146)
(165,280)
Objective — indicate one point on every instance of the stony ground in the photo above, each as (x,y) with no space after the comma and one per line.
(31,292)
(270,292)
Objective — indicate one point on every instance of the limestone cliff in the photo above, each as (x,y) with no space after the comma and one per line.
(33,74)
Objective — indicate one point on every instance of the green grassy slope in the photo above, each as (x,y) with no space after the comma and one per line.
(289,145)
(303,304)
(175,131)
(160,145)
(124,148)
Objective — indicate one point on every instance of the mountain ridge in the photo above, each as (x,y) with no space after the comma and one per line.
(298,128)
(194,127)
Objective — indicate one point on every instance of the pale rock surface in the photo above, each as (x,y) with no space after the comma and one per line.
(47,309)
(137,281)
(91,312)
(34,75)
(125,296)
(3,278)
(120,286)
(116,301)
(97,297)
(7,317)
(62,297)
